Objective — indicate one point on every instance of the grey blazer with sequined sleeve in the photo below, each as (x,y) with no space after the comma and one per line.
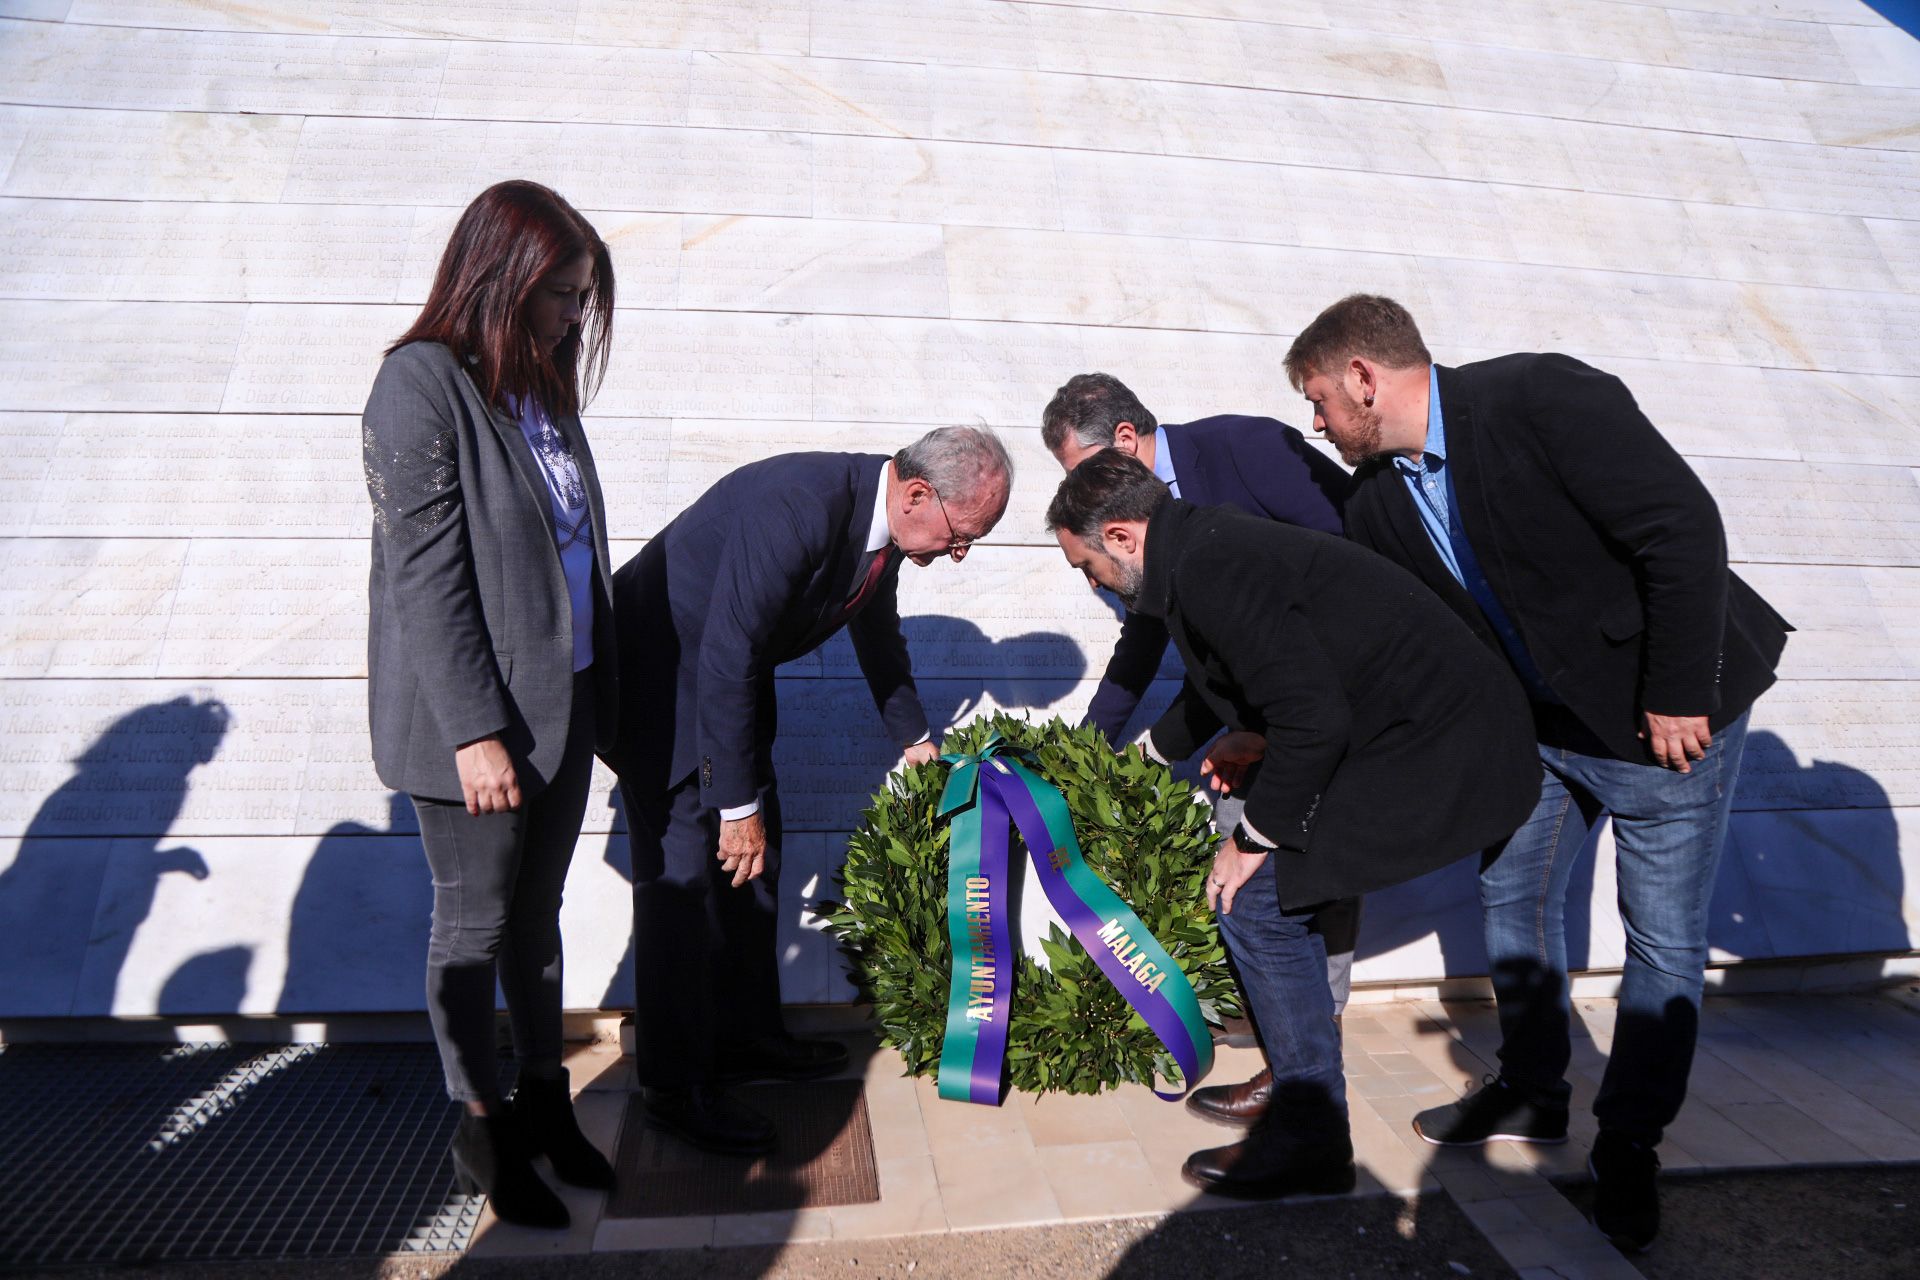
(470,631)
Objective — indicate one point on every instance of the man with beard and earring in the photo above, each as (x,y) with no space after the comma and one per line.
(1373,738)
(1536,499)
(1265,468)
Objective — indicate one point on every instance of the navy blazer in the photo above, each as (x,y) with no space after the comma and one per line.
(755,573)
(1261,466)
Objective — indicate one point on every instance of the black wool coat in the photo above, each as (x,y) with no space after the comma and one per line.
(1599,541)
(1396,742)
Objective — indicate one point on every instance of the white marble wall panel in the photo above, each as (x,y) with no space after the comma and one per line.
(937,372)
(1182,376)
(1037,108)
(1833,744)
(541,20)
(52,354)
(44,10)
(28,443)
(810,95)
(971,32)
(741,26)
(1816,513)
(308,359)
(1759,46)
(1863,116)
(154,250)
(693,364)
(1077,279)
(895,180)
(86,607)
(185,474)
(1827,883)
(1852,625)
(152,155)
(815,266)
(1844,417)
(558,82)
(598,166)
(1771,247)
(14,125)
(1858,180)
(205,15)
(268,607)
(55,64)
(1899,245)
(1879,55)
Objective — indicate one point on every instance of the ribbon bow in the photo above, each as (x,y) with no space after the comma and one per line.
(986,791)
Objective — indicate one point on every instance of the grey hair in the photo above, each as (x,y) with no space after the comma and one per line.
(956,461)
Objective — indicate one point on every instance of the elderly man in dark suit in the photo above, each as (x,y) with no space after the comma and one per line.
(769,563)
(1373,737)
(1536,499)
(1265,468)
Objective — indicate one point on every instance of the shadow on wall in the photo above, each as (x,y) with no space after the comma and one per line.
(1802,882)
(90,863)
(358,932)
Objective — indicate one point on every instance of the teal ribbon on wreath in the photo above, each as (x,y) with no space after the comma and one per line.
(986,792)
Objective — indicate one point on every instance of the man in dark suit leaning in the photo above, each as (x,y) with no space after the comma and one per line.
(769,563)
(1267,469)
(1535,498)
(1372,736)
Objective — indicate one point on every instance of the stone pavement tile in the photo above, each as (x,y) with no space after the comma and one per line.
(955,1126)
(1379,1150)
(1101,1179)
(1060,1119)
(1714,1141)
(1792,1132)
(1382,1086)
(1898,1101)
(493,1238)
(1833,1106)
(893,1114)
(624,1235)
(1498,1215)
(772,1228)
(909,1203)
(998,1184)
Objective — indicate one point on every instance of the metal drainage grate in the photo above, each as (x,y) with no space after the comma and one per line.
(120,1153)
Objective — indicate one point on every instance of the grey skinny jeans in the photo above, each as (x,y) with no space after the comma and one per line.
(497,882)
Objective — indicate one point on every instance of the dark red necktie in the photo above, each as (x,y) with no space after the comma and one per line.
(876,569)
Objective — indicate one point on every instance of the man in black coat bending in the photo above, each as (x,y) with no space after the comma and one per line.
(1532,495)
(1373,737)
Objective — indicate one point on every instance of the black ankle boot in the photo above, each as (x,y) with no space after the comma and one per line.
(490,1159)
(544,1109)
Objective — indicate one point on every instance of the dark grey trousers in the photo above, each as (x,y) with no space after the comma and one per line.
(497,882)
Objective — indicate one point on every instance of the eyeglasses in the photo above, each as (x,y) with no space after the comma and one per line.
(957,546)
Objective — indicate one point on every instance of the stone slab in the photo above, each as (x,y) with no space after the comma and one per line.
(152,155)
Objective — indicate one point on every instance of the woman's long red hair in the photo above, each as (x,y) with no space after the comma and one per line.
(511,237)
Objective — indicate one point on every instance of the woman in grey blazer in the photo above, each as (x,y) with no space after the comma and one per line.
(490,664)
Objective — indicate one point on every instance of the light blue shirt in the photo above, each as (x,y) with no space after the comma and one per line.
(1427,480)
(572,521)
(1163,462)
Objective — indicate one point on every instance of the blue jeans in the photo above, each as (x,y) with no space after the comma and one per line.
(1282,961)
(1668,829)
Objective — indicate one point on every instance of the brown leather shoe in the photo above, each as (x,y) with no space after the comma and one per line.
(1266,1167)
(1236,1104)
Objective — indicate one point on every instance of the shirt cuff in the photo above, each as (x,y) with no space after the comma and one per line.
(740,811)
(925,737)
(1248,837)
(1145,743)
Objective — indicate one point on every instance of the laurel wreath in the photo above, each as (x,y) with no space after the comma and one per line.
(1141,830)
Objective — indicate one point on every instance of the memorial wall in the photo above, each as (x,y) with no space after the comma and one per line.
(836,223)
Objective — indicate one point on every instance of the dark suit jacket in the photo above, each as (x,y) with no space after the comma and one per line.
(1396,742)
(753,574)
(1597,538)
(1261,466)
(470,630)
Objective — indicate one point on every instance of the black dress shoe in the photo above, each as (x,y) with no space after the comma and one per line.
(780,1058)
(544,1109)
(490,1158)
(1266,1167)
(708,1118)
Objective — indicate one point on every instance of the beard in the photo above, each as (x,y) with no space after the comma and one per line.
(1127,589)
(1359,441)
